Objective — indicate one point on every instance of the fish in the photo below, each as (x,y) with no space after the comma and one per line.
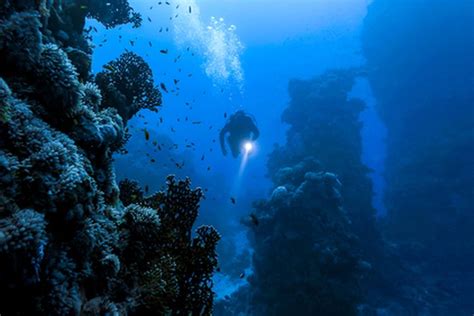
(146,188)
(242,275)
(163,87)
(161,119)
(109,67)
(149,43)
(232,199)
(196,122)
(225,114)
(175,81)
(152,160)
(147,135)
(254,219)
(132,43)
(202,157)
(190,9)
(164,51)
(149,19)
(161,29)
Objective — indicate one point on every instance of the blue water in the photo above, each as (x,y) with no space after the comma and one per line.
(272,42)
(230,55)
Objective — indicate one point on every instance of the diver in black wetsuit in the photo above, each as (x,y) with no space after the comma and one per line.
(241,129)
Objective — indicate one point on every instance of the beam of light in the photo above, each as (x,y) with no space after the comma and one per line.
(248,148)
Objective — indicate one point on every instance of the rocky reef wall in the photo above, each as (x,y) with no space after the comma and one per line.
(307,260)
(420,67)
(71,241)
(324,124)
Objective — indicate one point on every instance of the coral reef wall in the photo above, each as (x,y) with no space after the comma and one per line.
(306,258)
(324,125)
(71,241)
(420,67)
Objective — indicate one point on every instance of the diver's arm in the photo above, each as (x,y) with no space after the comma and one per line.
(255,132)
(222,139)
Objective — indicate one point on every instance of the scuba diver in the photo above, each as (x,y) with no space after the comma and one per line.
(242,131)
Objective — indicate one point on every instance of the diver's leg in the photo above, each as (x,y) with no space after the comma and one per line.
(234,144)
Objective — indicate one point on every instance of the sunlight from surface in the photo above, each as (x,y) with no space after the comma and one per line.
(215,41)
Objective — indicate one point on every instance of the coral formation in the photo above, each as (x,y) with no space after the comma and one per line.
(189,261)
(306,259)
(127,85)
(68,245)
(324,123)
(111,13)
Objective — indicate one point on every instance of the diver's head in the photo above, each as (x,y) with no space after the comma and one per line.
(239,113)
